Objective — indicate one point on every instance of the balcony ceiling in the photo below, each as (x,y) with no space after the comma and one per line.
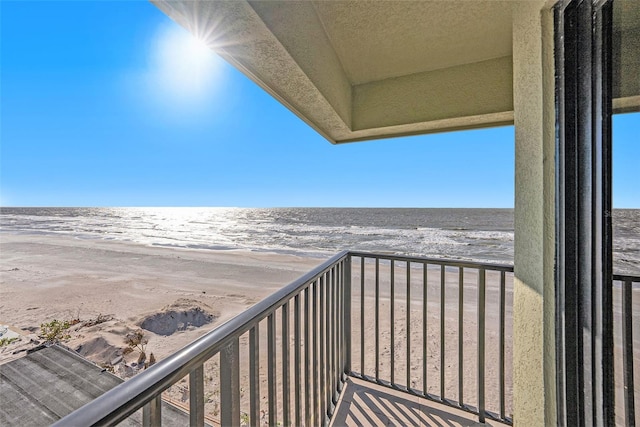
(379,40)
(357,70)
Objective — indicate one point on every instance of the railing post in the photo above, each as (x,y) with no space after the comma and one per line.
(337,324)
(308,417)
(425,288)
(627,352)
(314,347)
(408,319)
(323,361)
(230,384)
(443,296)
(362,332)
(196,397)
(392,323)
(152,413)
(296,359)
(481,332)
(347,316)
(501,361)
(271,369)
(328,325)
(461,336)
(340,327)
(286,367)
(377,320)
(254,375)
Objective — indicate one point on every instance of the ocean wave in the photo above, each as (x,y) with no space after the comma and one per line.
(468,234)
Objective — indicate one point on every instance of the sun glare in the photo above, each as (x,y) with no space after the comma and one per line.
(184,68)
(198,48)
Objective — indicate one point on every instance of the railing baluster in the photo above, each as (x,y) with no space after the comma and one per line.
(328,374)
(337,335)
(230,384)
(346,338)
(296,358)
(442,337)
(286,415)
(339,326)
(502,322)
(461,336)
(254,375)
(323,369)
(627,352)
(408,325)
(377,310)
(307,362)
(196,397)
(271,371)
(425,287)
(334,385)
(314,332)
(481,318)
(392,324)
(362,368)
(152,413)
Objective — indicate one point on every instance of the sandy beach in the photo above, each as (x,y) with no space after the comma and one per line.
(109,289)
(48,277)
(112,288)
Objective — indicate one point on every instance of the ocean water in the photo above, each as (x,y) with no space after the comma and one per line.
(484,235)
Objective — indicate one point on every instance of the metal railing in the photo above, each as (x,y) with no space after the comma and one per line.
(318,346)
(316,355)
(624,329)
(438,329)
(413,299)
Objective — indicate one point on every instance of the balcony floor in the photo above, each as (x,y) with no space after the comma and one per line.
(367,404)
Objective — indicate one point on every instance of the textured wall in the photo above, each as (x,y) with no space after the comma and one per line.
(462,91)
(533,307)
(301,33)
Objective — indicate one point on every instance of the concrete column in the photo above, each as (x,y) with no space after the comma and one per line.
(534,382)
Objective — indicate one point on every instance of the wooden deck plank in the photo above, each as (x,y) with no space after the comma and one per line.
(51,382)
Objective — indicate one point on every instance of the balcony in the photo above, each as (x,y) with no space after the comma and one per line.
(362,339)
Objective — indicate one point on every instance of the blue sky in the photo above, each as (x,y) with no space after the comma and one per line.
(99,108)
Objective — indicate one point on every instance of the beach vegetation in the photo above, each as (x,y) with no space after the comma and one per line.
(244,419)
(7,341)
(98,320)
(137,341)
(108,367)
(55,331)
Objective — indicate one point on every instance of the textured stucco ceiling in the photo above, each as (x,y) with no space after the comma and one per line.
(380,40)
(626,55)
(356,70)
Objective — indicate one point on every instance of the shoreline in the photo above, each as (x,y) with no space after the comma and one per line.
(216,249)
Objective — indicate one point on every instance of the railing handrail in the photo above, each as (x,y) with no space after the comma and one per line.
(626,278)
(123,400)
(435,261)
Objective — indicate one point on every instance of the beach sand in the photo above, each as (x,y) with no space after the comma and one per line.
(49,277)
(111,288)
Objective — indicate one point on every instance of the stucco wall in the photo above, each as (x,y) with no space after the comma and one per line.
(534,355)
